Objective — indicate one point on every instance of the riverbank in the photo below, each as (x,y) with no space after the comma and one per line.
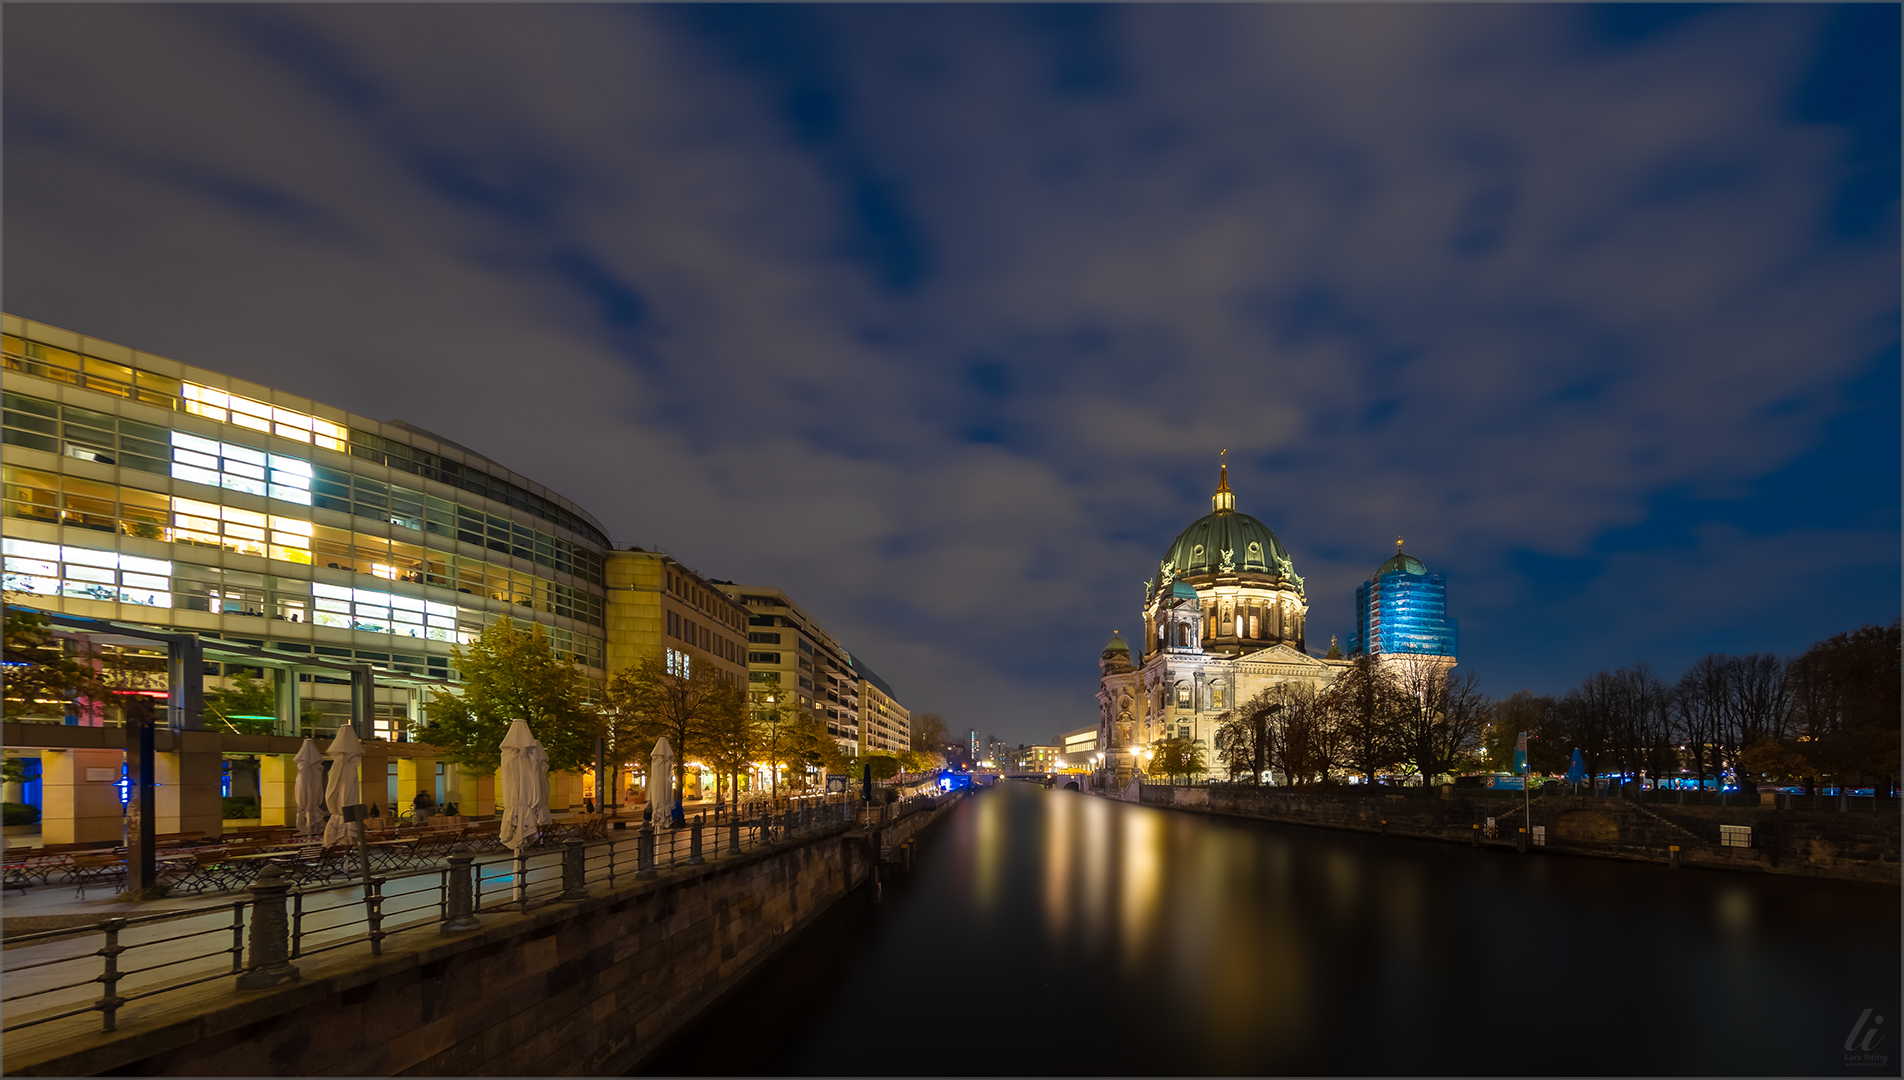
(1805,843)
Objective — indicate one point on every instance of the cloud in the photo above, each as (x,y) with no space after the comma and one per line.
(937,317)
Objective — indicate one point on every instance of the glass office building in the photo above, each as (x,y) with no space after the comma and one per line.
(1403,609)
(143,490)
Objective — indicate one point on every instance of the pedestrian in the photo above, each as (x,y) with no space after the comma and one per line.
(588,804)
(421,806)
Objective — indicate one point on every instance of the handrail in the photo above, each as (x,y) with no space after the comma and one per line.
(518,881)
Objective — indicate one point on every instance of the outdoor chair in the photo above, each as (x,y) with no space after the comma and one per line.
(88,870)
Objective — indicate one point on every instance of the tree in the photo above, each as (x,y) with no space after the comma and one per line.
(1847,707)
(509,674)
(1245,737)
(1549,749)
(1699,714)
(650,702)
(1364,703)
(929,733)
(40,672)
(1177,756)
(247,706)
(1439,715)
(1306,743)
(1773,762)
(730,739)
(884,766)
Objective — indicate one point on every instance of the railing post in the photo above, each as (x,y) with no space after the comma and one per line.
(461,913)
(522,878)
(110,1002)
(297,921)
(574,855)
(694,845)
(373,905)
(270,960)
(644,863)
(733,834)
(237,949)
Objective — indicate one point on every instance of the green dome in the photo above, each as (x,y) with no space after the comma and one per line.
(1181,590)
(1401,564)
(1252,548)
(1116,644)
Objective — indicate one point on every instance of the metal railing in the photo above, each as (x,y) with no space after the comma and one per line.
(57,982)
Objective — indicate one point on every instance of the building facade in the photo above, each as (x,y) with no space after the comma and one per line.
(659,608)
(1223,620)
(1403,610)
(146,491)
(885,726)
(791,656)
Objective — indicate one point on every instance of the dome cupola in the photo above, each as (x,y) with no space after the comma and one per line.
(1225,541)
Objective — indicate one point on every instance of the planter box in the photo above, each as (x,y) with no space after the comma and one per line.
(20,830)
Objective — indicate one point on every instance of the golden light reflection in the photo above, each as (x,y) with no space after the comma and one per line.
(1061,856)
(1735,911)
(991,853)
(1141,858)
(1095,871)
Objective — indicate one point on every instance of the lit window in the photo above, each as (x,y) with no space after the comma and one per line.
(240,468)
(284,423)
(85,573)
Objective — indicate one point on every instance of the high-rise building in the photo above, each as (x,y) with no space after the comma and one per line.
(1403,610)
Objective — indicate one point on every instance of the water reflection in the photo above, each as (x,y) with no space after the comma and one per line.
(1051,932)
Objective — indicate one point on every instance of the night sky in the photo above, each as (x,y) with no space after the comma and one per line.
(937,317)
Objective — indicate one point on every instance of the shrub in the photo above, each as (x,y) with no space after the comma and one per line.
(241,806)
(14,813)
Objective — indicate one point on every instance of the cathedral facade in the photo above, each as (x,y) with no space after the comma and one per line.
(1223,620)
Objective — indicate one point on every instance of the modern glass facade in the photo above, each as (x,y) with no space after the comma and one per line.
(1398,611)
(145,490)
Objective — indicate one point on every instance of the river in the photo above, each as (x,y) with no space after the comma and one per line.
(1047,932)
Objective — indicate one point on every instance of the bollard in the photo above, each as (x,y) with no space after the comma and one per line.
(1520,841)
(694,845)
(1672,855)
(269,962)
(461,915)
(574,856)
(1474,836)
(1384,826)
(645,865)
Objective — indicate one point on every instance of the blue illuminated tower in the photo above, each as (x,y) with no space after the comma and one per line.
(1403,609)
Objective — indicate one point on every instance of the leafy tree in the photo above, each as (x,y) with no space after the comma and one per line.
(40,672)
(929,732)
(649,702)
(1773,762)
(884,766)
(240,706)
(730,739)
(809,748)
(508,674)
(1177,757)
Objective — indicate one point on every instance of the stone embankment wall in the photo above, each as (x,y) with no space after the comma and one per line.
(1822,843)
(589,987)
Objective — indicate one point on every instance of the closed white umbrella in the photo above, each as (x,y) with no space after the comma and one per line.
(309,793)
(342,789)
(539,761)
(519,788)
(661,779)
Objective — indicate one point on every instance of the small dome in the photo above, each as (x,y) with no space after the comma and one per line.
(1116,644)
(1401,564)
(1181,590)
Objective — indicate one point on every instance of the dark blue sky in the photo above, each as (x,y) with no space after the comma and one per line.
(938,316)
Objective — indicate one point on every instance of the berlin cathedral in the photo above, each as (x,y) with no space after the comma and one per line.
(1224,619)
